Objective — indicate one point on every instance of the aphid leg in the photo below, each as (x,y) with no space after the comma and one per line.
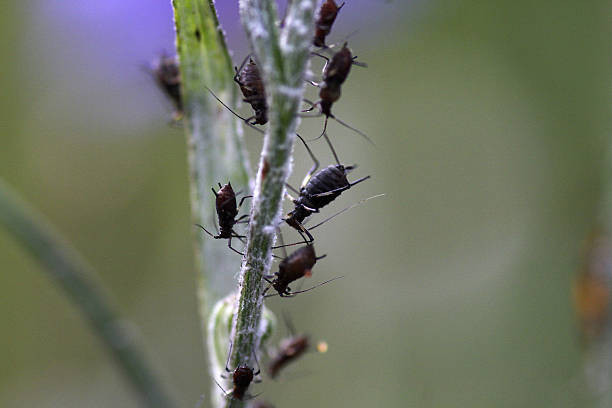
(242,200)
(290,187)
(229,355)
(315,165)
(331,148)
(313,105)
(221,388)
(322,56)
(229,244)
(258,367)
(205,230)
(247,121)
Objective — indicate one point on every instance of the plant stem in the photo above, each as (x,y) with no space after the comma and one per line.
(216,150)
(66,268)
(282,56)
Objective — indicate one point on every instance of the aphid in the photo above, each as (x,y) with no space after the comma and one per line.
(242,376)
(317,190)
(290,349)
(326,17)
(293,267)
(251,84)
(335,73)
(227,210)
(168,77)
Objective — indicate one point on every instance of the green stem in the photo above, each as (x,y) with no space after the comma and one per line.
(215,149)
(66,268)
(282,56)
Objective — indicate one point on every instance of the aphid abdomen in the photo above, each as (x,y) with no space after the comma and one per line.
(339,67)
(294,267)
(329,179)
(252,87)
(227,210)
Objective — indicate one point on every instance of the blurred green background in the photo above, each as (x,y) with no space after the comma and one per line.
(492,123)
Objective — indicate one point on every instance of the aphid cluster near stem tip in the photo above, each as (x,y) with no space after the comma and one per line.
(319,188)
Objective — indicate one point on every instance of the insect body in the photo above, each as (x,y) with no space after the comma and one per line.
(167,75)
(251,84)
(327,15)
(242,376)
(335,73)
(290,349)
(318,190)
(293,267)
(227,210)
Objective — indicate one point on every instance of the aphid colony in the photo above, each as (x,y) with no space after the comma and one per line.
(320,187)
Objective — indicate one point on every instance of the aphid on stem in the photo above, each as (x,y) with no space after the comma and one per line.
(251,84)
(335,73)
(242,376)
(227,210)
(317,190)
(325,19)
(293,267)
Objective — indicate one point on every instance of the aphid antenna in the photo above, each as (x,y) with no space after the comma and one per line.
(333,216)
(245,120)
(345,210)
(313,105)
(307,290)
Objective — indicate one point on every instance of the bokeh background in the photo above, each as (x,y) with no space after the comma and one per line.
(491,122)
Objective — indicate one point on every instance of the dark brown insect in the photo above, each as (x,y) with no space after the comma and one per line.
(335,73)
(227,210)
(326,17)
(251,84)
(168,77)
(317,190)
(289,350)
(242,376)
(293,267)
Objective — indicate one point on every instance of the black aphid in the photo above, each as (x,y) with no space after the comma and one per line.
(317,190)
(325,19)
(335,73)
(251,84)
(242,376)
(293,267)
(227,210)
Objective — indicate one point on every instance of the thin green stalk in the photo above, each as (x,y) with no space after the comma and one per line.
(216,154)
(76,278)
(282,55)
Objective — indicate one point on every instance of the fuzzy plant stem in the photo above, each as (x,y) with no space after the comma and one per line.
(282,55)
(76,278)
(216,154)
